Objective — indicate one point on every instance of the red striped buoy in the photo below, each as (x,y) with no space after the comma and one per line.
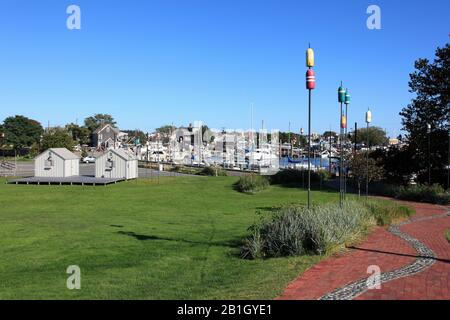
(310,80)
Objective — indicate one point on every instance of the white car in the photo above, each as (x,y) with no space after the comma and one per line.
(88,159)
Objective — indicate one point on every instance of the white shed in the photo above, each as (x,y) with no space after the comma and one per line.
(57,162)
(116,164)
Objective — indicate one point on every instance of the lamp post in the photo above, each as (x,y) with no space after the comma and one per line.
(347,102)
(341,100)
(429,153)
(310,85)
(368,121)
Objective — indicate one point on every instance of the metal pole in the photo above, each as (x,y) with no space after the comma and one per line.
(329,156)
(448,163)
(341,199)
(345,143)
(309,149)
(367,156)
(429,156)
(290,142)
(356,134)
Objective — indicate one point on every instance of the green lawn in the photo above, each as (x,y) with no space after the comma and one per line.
(178,239)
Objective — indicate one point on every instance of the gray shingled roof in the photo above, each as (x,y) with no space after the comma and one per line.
(124,154)
(104,127)
(64,153)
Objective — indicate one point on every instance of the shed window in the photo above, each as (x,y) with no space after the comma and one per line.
(49,162)
(109,163)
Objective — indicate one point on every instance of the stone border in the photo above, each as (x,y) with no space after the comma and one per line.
(426,258)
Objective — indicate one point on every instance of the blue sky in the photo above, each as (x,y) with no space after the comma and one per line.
(156,62)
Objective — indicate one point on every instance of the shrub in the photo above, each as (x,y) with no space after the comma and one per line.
(252,183)
(297,177)
(297,230)
(185,170)
(213,171)
(424,193)
(386,213)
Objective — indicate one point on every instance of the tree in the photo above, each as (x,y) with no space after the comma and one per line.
(358,169)
(430,83)
(139,134)
(166,130)
(79,134)
(296,138)
(327,134)
(377,136)
(99,119)
(57,138)
(21,131)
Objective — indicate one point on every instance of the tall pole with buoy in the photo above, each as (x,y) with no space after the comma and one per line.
(310,85)
(368,121)
(347,102)
(341,99)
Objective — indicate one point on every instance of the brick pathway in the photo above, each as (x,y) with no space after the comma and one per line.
(390,253)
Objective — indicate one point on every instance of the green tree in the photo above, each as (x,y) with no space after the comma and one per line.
(327,134)
(166,130)
(395,164)
(21,131)
(57,138)
(137,134)
(296,138)
(79,134)
(377,136)
(358,169)
(430,83)
(97,120)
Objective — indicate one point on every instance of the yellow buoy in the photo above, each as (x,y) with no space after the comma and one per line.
(310,58)
(343,122)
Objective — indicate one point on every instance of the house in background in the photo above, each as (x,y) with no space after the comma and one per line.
(106,137)
(117,164)
(57,163)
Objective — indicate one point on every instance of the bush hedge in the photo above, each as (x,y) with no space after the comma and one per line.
(297,177)
(213,171)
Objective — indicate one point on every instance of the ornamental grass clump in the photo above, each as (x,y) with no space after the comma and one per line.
(252,183)
(295,230)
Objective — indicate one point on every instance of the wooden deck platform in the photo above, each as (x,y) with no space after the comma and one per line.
(75,180)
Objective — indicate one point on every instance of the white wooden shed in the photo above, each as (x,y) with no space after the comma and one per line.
(117,164)
(57,162)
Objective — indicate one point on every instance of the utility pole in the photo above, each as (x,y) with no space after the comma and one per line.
(356,135)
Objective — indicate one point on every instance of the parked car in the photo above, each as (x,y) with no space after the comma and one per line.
(88,159)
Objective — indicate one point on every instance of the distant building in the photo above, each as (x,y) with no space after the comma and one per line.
(106,137)
(394,142)
(117,164)
(56,162)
